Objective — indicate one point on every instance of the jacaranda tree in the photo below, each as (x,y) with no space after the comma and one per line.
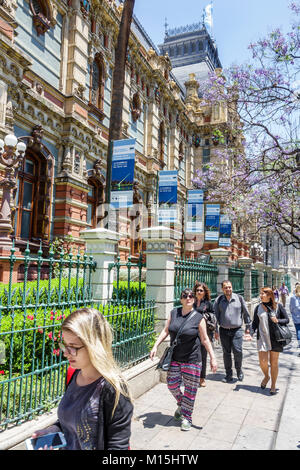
(260,148)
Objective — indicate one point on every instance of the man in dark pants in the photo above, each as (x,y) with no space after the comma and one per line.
(230,310)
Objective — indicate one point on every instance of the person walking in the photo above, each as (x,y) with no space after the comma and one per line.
(231,310)
(295,311)
(204,305)
(266,314)
(186,360)
(96,410)
(284,292)
(276,294)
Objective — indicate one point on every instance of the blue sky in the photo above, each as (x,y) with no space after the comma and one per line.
(236,22)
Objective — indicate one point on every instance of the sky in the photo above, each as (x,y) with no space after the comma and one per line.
(236,23)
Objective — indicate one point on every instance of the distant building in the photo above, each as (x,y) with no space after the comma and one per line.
(191,50)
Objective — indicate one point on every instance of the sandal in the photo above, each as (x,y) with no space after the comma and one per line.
(202,383)
(264,383)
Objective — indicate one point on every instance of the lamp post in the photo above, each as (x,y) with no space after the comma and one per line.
(11,153)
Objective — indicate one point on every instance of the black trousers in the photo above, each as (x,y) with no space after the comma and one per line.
(232,342)
(204,357)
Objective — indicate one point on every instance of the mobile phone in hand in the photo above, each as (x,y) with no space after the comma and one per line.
(55,440)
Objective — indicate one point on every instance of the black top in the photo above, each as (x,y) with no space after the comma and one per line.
(282,318)
(85,417)
(207,309)
(189,345)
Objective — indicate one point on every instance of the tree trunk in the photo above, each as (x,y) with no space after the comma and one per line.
(116,111)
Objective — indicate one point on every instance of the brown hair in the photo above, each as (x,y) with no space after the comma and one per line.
(270,293)
(207,295)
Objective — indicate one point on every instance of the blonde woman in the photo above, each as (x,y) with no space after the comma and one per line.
(95,411)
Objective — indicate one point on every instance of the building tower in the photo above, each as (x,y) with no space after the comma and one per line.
(191,50)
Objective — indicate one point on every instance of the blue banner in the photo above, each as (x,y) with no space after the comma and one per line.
(225,231)
(212,222)
(122,173)
(167,196)
(194,216)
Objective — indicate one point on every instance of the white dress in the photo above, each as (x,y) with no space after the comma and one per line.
(264,341)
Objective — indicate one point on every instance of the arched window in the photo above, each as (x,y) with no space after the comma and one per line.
(97,84)
(41,15)
(161,142)
(94,199)
(30,219)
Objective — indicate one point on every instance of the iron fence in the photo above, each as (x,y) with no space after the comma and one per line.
(254,283)
(236,277)
(188,271)
(32,368)
(128,285)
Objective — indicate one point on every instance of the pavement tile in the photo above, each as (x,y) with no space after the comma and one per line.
(220,430)
(202,443)
(253,438)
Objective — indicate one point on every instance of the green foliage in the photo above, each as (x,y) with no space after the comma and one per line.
(134,293)
(55,294)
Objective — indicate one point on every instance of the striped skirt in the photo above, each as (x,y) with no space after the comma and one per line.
(190,375)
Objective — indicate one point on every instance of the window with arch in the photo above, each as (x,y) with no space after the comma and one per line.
(93,200)
(41,15)
(161,143)
(97,84)
(30,218)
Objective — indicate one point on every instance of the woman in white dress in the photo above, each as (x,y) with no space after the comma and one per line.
(266,314)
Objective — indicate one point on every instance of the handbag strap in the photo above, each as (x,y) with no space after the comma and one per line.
(181,328)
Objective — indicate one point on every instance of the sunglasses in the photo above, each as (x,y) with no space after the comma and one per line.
(70,350)
(200,290)
(187,296)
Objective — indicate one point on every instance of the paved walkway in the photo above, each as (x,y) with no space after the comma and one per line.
(235,416)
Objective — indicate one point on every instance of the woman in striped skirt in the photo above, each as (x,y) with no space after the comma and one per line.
(186,360)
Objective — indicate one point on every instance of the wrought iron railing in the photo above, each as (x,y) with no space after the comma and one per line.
(254,283)
(188,271)
(236,277)
(128,284)
(32,368)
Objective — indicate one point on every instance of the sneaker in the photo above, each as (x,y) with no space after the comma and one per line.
(227,379)
(177,414)
(240,376)
(185,425)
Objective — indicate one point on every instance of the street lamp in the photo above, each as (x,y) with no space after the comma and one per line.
(11,153)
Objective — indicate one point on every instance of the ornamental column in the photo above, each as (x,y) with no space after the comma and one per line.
(102,245)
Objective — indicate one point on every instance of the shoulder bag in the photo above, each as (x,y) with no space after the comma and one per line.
(282,333)
(165,360)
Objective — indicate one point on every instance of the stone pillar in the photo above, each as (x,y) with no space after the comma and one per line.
(160,264)
(260,268)
(269,277)
(246,264)
(102,245)
(221,257)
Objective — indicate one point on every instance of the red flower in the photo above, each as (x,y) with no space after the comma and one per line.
(2,372)
(30,317)
(50,335)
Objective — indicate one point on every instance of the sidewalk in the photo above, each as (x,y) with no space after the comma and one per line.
(235,416)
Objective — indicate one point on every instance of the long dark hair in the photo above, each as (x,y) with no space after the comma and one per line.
(206,289)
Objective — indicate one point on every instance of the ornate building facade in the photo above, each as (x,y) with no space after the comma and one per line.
(56,64)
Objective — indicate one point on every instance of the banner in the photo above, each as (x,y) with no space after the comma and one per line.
(194,212)
(212,222)
(167,196)
(225,231)
(122,173)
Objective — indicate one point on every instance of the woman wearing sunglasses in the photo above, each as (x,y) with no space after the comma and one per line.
(186,359)
(204,305)
(95,411)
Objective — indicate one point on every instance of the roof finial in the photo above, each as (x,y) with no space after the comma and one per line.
(166,27)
